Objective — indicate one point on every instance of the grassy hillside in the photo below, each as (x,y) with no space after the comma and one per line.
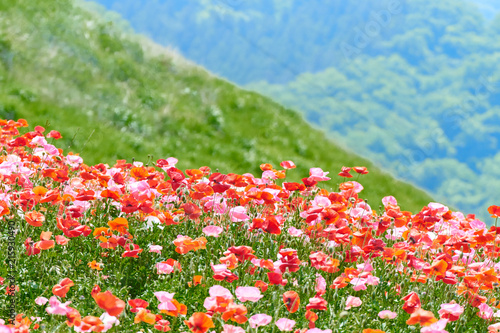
(115,96)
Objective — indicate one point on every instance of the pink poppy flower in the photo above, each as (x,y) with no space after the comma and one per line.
(295,232)
(220,291)
(6,329)
(41,300)
(387,314)
(389,200)
(164,268)
(212,230)
(437,327)
(232,329)
(317,330)
(495,328)
(352,302)
(285,324)
(320,287)
(260,319)
(485,311)
(359,284)
(165,300)
(288,165)
(155,248)
(451,311)
(58,308)
(317,174)
(238,214)
(251,294)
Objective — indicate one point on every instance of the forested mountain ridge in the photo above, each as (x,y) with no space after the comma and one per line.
(114,95)
(414,85)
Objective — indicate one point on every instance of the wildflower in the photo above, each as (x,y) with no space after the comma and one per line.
(248,294)
(62,288)
(119,224)
(137,304)
(212,230)
(422,317)
(352,302)
(285,324)
(144,315)
(57,307)
(485,311)
(437,327)
(258,320)
(34,218)
(232,329)
(387,314)
(155,248)
(451,311)
(95,265)
(41,300)
(199,322)
(292,301)
(162,325)
(108,302)
(412,302)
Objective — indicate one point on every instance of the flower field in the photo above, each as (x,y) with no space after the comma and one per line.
(148,247)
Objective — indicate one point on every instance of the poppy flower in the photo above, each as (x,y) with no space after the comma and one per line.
(119,224)
(235,312)
(199,322)
(251,294)
(494,211)
(412,302)
(146,316)
(291,300)
(352,302)
(285,324)
(422,317)
(35,218)
(62,288)
(258,320)
(109,303)
(137,304)
(91,324)
(162,325)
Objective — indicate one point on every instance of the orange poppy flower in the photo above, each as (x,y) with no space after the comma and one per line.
(181,309)
(4,209)
(119,224)
(95,265)
(291,300)
(62,288)
(199,322)
(230,261)
(371,330)
(34,218)
(145,316)
(422,317)
(108,302)
(235,312)
(73,318)
(92,323)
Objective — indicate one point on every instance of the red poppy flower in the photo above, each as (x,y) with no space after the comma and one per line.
(292,301)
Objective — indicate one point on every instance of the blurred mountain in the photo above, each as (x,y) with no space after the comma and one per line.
(116,95)
(413,85)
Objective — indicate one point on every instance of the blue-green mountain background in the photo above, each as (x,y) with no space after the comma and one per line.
(413,85)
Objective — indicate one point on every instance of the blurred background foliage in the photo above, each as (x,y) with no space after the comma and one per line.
(115,95)
(419,95)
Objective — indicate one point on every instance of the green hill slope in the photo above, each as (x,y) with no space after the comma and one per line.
(116,96)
